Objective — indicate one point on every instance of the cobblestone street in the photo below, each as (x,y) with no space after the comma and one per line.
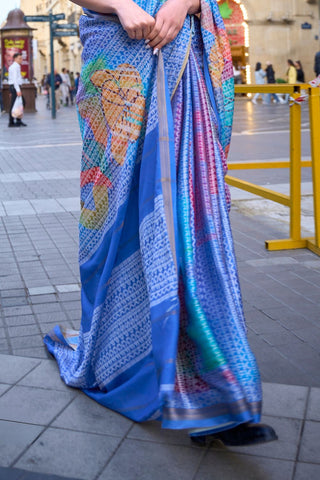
(52,431)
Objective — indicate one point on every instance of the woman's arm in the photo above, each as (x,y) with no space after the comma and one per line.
(139,24)
(100,6)
(136,22)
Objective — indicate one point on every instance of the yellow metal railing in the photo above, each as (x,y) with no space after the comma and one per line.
(293,201)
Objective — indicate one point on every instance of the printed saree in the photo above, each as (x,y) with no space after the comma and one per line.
(162,331)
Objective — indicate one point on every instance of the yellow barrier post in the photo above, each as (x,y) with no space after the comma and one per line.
(314,109)
(295,240)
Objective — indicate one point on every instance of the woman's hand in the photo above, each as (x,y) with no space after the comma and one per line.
(136,22)
(139,24)
(169,21)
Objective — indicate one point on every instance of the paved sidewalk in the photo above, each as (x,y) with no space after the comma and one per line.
(51,430)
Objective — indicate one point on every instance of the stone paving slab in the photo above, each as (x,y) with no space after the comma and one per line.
(309,449)
(15,438)
(137,459)
(307,471)
(227,465)
(18,474)
(313,412)
(33,405)
(12,368)
(81,455)
(86,416)
(288,401)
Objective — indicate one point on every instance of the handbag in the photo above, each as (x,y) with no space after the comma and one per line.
(17,109)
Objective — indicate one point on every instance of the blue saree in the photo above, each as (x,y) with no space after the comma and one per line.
(162,331)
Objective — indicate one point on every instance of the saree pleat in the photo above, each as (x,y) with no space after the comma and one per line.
(162,331)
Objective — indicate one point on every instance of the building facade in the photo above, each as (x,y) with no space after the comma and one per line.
(272,30)
(67,50)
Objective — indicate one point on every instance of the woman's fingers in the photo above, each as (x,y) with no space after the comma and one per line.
(157,33)
(138,34)
(166,35)
(138,31)
(147,30)
(135,21)
(168,23)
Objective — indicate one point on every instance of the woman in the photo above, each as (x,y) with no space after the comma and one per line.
(271,79)
(260,76)
(291,73)
(162,333)
(300,72)
(291,77)
(65,87)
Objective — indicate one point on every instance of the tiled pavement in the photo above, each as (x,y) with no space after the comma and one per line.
(51,430)
(47,427)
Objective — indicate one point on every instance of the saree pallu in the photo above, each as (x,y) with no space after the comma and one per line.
(162,331)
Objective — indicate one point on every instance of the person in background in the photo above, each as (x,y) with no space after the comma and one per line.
(65,87)
(72,86)
(317,63)
(15,80)
(1,98)
(57,88)
(37,85)
(270,80)
(76,82)
(291,73)
(237,74)
(43,84)
(291,77)
(300,72)
(260,76)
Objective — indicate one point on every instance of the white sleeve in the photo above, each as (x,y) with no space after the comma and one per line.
(16,78)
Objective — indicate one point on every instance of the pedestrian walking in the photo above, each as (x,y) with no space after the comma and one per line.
(271,79)
(65,87)
(15,82)
(76,82)
(291,77)
(43,84)
(260,76)
(162,333)
(291,73)
(317,63)
(300,72)
(72,87)
(57,89)
(37,85)
(237,74)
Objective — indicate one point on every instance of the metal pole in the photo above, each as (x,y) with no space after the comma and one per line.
(314,107)
(53,97)
(295,170)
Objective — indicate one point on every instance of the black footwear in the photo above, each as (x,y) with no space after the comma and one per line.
(240,436)
(21,124)
(12,125)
